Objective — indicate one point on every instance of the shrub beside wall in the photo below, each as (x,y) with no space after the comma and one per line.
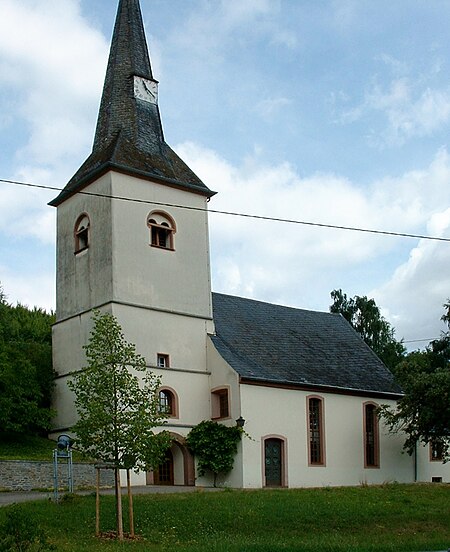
(18,475)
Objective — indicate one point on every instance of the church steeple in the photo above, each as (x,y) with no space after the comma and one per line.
(120,110)
(129,136)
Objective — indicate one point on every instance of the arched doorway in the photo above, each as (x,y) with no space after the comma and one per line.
(177,468)
(274,460)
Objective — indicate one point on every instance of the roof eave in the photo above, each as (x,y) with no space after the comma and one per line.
(110,166)
(305,386)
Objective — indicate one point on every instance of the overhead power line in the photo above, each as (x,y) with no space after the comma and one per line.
(429,339)
(236,214)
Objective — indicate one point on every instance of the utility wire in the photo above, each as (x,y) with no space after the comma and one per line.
(429,339)
(236,214)
(399,234)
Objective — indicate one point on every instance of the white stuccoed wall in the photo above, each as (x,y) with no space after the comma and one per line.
(282,412)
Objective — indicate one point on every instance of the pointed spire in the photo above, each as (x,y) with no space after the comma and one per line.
(128,58)
(129,136)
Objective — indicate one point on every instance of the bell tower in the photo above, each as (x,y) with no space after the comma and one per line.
(132,232)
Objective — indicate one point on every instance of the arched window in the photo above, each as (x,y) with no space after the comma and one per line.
(162,230)
(168,402)
(316,438)
(371,436)
(81,233)
(274,461)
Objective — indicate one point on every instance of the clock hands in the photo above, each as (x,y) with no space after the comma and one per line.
(148,89)
(145,89)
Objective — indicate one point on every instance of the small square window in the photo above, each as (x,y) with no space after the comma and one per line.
(162,361)
(220,404)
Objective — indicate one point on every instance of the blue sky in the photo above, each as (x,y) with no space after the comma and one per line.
(335,112)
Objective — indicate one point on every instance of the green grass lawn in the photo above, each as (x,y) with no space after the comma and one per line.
(388,518)
(30,447)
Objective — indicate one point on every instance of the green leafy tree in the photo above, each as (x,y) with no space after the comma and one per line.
(214,446)
(365,317)
(423,413)
(117,409)
(26,372)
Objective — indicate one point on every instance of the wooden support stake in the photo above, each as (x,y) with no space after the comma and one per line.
(119,506)
(97,505)
(130,504)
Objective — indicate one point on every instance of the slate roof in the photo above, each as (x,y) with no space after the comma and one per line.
(129,135)
(276,345)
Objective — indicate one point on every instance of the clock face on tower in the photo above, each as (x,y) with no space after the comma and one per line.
(146,90)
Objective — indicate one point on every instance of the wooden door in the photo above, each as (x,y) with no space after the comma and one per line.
(273,462)
(164,473)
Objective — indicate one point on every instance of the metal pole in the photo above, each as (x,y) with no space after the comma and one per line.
(55,475)
(70,471)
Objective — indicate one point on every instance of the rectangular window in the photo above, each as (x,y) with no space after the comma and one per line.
(315,432)
(436,451)
(220,404)
(162,361)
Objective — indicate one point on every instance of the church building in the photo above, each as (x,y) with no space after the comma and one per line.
(132,240)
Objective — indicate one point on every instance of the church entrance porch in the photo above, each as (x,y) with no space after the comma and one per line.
(177,467)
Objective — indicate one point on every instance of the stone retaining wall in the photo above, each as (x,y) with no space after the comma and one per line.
(18,475)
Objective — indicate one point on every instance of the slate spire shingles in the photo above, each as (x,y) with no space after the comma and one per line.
(129,136)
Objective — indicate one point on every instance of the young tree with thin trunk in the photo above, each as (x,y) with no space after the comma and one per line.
(117,401)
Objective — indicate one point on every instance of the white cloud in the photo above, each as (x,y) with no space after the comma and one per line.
(420,286)
(208,34)
(36,291)
(53,63)
(410,114)
(409,109)
(236,12)
(295,264)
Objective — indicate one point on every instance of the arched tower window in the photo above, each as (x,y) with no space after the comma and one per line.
(81,233)
(162,229)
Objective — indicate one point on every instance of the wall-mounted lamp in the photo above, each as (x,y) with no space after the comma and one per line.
(240,422)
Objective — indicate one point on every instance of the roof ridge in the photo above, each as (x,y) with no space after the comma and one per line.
(274,304)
